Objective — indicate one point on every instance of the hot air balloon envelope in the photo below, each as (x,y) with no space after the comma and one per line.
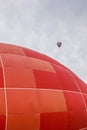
(59,44)
(39,93)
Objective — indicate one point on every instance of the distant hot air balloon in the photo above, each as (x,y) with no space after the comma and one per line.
(39,93)
(59,44)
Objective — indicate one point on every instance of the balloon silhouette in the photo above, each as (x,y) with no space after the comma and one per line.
(59,44)
(39,93)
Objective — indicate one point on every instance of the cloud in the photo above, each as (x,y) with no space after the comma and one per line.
(40,24)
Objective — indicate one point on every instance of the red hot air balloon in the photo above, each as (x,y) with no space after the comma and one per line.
(39,93)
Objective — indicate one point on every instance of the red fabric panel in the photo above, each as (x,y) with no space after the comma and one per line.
(1,76)
(53,121)
(77,119)
(2,122)
(82,85)
(74,101)
(66,78)
(77,115)
(2,110)
(47,80)
(85,98)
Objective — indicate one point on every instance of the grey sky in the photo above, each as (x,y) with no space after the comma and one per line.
(39,24)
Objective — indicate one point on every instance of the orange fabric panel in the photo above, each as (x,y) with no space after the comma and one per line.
(18,72)
(22,78)
(15,61)
(38,64)
(24,114)
(52,101)
(11,49)
(25,102)
(24,122)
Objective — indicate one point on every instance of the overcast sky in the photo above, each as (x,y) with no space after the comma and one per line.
(39,24)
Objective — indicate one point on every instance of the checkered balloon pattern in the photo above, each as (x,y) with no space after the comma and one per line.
(39,93)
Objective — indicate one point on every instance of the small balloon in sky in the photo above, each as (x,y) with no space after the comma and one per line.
(59,44)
